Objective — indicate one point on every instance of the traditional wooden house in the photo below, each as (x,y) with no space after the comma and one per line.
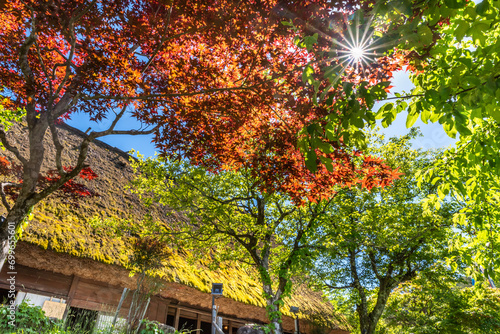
(64,256)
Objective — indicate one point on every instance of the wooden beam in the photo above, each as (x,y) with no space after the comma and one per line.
(177,316)
(187,308)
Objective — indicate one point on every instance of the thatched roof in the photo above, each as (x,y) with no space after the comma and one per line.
(61,226)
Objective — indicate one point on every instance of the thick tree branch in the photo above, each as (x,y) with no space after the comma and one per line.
(44,68)
(329,286)
(68,62)
(11,148)
(23,57)
(373,264)
(59,148)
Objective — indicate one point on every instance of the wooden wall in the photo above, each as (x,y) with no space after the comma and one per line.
(100,296)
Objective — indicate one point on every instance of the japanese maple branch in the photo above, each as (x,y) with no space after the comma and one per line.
(23,57)
(83,154)
(69,61)
(44,68)
(157,97)
(12,149)
(59,147)
(2,193)
(81,13)
(68,64)
(162,41)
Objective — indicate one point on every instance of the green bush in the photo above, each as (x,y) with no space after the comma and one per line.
(28,319)
(150,327)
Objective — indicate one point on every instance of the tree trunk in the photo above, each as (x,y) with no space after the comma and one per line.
(273,309)
(24,201)
(8,230)
(368,321)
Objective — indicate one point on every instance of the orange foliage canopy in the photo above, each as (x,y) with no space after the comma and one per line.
(220,81)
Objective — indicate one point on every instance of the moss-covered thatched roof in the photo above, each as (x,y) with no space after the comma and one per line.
(62,226)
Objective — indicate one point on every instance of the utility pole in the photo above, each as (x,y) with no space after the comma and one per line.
(216,293)
(295,311)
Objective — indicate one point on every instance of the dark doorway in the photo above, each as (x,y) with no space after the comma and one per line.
(81,320)
(206,327)
(4,296)
(186,324)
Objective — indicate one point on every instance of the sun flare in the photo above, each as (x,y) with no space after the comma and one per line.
(356,53)
(357,48)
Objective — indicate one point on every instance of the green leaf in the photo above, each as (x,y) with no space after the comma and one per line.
(310,161)
(358,122)
(328,164)
(495,114)
(309,41)
(478,35)
(412,116)
(425,115)
(325,147)
(330,131)
(347,88)
(482,7)
(425,34)
(461,30)
(450,129)
(455,4)
(386,108)
(491,86)
(307,74)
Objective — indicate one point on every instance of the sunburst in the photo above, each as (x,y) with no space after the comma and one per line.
(358,49)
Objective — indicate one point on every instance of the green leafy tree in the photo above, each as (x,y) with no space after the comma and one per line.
(442,302)
(457,83)
(375,240)
(226,214)
(451,50)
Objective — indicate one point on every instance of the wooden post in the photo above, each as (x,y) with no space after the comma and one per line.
(71,294)
(177,316)
(198,321)
(230,327)
(124,295)
(142,315)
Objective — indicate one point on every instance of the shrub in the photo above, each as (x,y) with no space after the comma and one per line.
(28,319)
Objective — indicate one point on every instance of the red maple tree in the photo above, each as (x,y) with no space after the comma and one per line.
(219,83)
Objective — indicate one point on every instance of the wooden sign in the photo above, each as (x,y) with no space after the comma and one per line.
(54,309)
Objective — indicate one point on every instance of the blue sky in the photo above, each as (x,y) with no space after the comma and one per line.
(433,134)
